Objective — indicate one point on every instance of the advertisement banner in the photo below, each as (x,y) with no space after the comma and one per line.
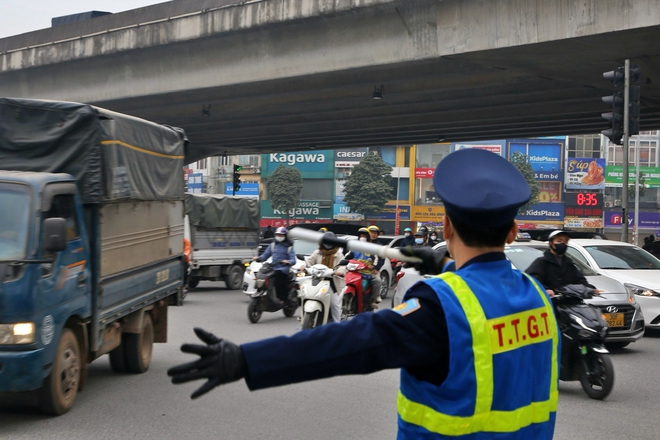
(248,190)
(308,210)
(647,220)
(577,223)
(389,213)
(349,158)
(195,183)
(428,214)
(424,173)
(311,164)
(614,176)
(549,192)
(585,173)
(342,212)
(339,190)
(544,211)
(492,147)
(544,157)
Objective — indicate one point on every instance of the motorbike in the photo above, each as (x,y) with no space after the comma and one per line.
(252,269)
(356,296)
(265,298)
(583,353)
(315,293)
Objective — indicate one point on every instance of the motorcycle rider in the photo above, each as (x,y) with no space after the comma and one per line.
(408,239)
(331,257)
(433,239)
(283,257)
(374,264)
(554,270)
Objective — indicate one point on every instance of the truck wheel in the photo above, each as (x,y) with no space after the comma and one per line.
(139,347)
(117,357)
(60,388)
(193,282)
(234,277)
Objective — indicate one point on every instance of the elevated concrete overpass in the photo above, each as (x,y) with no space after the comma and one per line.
(277,75)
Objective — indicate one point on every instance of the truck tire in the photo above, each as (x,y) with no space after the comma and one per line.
(60,388)
(139,347)
(118,358)
(234,277)
(193,282)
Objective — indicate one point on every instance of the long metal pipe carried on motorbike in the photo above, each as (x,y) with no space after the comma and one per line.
(353,245)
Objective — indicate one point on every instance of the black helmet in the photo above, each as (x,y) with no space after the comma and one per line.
(326,245)
(424,230)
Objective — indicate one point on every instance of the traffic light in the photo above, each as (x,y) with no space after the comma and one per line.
(615,117)
(237,178)
(617,101)
(633,112)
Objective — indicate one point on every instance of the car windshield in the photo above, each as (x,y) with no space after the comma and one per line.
(14,220)
(523,256)
(301,247)
(622,257)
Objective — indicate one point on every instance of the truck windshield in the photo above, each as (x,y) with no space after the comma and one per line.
(14,220)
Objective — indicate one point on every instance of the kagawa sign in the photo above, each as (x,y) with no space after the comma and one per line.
(312,165)
(307,210)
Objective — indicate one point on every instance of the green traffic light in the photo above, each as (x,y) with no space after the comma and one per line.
(237,168)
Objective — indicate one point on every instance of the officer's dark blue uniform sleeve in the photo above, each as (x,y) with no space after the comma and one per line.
(367,343)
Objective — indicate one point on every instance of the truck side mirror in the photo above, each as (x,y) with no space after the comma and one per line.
(54,234)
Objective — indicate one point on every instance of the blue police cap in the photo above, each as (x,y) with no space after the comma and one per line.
(480,188)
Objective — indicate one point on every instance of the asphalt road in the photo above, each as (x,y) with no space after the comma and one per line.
(147,406)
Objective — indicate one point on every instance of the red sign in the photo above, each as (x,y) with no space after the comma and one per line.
(277,222)
(424,173)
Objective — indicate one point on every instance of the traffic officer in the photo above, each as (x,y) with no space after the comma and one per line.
(477,347)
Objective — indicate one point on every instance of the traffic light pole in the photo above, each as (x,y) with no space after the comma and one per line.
(626,125)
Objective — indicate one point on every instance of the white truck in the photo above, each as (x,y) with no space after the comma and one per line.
(224,234)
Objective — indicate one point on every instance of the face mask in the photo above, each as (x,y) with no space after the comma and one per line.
(407,234)
(363,238)
(279,238)
(419,240)
(433,237)
(560,248)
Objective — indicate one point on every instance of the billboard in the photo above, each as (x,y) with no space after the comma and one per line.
(249,190)
(195,183)
(614,176)
(389,213)
(428,213)
(307,210)
(496,147)
(545,157)
(342,212)
(585,173)
(311,164)
(544,211)
(647,220)
(349,158)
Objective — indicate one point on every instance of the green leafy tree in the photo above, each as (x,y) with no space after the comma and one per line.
(631,187)
(368,188)
(521,162)
(284,189)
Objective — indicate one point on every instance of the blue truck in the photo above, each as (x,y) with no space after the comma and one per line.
(91,243)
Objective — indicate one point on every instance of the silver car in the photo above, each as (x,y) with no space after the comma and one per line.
(618,304)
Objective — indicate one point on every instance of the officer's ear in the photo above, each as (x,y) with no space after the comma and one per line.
(513,233)
(446,228)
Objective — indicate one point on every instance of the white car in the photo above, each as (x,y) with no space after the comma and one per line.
(618,304)
(637,269)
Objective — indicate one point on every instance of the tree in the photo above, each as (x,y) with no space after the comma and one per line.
(284,189)
(368,187)
(642,187)
(521,162)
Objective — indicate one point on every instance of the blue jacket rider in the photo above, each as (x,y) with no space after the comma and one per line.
(283,257)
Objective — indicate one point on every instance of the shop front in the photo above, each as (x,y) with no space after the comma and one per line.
(309,211)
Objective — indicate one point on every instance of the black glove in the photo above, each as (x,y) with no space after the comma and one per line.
(220,362)
(432,261)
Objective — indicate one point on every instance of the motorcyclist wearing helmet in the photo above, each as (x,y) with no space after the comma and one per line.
(554,269)
(331,257)
(408,239)
(283,256)
(375,263)
(420,238)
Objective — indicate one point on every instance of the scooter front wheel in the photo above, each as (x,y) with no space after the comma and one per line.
(311,319)
(253,312)
(597,375)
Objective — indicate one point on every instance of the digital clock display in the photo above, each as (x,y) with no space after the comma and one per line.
(584,204)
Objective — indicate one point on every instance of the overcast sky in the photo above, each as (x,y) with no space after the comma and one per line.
(21,16)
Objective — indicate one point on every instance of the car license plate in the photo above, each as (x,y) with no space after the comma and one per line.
(614,319)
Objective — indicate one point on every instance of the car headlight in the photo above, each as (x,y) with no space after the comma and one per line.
(641,291)
(19,333)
